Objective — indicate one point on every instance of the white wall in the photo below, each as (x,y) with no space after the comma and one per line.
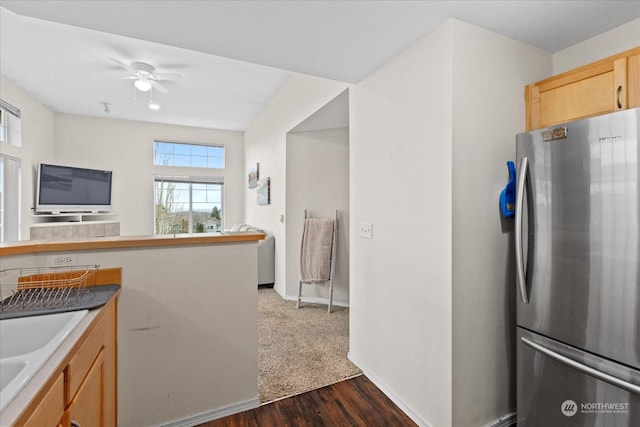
(400,306)
(38,144)
(617,40)
(318,180)
(265,142)
(489,75)
(126,147)
(431,294)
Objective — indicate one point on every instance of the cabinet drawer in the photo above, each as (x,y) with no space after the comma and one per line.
(49,411)
(79,366)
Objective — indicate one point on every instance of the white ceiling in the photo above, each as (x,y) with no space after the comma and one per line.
(62,56)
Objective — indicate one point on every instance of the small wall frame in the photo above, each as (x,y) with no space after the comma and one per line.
(264,191)
(254,175)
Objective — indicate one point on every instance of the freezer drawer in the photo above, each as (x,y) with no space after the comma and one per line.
(559,385)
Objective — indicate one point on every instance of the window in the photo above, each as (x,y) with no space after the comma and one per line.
(10,124)
(10,153)
(9,199)
(188,155)
(188,205)
(3,126)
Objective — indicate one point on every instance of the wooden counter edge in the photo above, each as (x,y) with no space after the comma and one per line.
(29,247)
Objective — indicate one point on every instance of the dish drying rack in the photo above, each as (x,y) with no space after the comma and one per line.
(47,288)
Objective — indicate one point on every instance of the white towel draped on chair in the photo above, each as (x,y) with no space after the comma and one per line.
(315,252)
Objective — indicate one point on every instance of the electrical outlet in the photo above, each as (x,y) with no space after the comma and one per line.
(366,230)
(63,260)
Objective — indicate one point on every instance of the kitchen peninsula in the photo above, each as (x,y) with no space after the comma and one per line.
(187,320)
(115,242)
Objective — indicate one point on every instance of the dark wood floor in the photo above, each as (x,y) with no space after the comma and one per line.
(353,402)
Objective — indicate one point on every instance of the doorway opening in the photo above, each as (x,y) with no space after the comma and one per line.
(306,348)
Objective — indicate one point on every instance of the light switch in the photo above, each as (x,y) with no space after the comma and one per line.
(366,230)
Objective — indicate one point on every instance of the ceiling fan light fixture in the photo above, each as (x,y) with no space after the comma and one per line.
(153,106)
(143,84)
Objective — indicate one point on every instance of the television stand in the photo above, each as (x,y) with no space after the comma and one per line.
(73,225)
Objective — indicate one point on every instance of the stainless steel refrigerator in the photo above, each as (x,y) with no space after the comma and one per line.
(578,273)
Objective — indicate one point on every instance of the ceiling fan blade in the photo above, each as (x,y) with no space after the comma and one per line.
(167,76)
(157,86)
(122,64)
(121,77)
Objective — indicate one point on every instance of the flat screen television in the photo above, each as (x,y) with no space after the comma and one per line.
(70,189)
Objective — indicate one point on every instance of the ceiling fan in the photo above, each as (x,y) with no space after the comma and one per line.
(144,76)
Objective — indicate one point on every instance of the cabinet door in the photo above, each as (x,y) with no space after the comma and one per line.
(87,407)
(605,86)
(49,411)
(598,89)
(633,81)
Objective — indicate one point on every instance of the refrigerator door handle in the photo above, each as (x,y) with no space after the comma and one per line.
(520,272)
(585,369)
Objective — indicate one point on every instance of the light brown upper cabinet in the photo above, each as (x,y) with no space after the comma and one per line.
(608,85)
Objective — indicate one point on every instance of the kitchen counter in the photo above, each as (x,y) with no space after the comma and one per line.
(14,411)
(117,242)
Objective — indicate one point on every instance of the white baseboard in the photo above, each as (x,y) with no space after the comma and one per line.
(414,417)
(215,414)
(504,421)
(508,420)
(317,300)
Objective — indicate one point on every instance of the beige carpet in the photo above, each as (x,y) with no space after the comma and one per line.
(300,349)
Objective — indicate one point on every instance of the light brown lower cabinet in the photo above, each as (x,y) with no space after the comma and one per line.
(49,410)
(83,391)
(87,407)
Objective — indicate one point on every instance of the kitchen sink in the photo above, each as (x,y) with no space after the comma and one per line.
(26,343)
(9,370)
(27,334)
